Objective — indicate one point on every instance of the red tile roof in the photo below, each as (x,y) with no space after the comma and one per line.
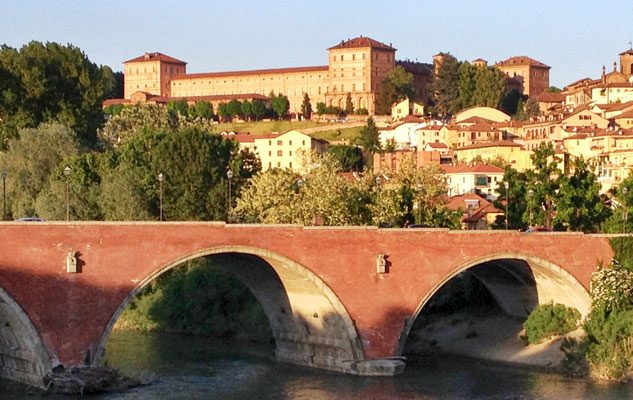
(493,143)
(361,42)
(466,168)
(437,145)
(547,97)
(321,68)
(155,57)
(476,120)
(629,52)
(484,207)
(626,114)
(522,60)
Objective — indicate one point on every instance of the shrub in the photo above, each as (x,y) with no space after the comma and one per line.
(550,319)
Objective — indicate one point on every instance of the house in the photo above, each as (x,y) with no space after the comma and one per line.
(405,108)
(507,151)
(478,213)
(533,73)
(480,178)
(281,150)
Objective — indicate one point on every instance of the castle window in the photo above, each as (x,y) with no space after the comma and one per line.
(353,57)
(341,57)
(363,56)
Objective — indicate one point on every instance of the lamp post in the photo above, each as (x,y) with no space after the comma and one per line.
(378,182)
(626,209)
(420,188)
(4,195)
(506,185)
(530,193)
(161,179)
(67,174)
(229,176)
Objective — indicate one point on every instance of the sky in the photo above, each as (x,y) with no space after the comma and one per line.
(576,38)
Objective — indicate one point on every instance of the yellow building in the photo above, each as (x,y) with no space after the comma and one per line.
(281,150)
(505,150)
(355,67)
(534,74)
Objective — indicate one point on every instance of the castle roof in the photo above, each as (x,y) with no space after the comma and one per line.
(522,60)
(362,42)
(156,56)
(321,68)
(628,52)
(415,67)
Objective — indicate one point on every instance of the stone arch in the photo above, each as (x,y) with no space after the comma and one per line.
(23,355)
(310,325)
(552,282)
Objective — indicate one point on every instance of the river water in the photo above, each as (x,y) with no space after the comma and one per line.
(191,368)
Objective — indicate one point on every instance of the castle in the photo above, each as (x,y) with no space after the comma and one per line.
(356,67)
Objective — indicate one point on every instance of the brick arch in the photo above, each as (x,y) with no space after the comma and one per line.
(568,289)
(305,315)
(25,357)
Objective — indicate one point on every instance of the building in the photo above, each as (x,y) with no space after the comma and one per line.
(405,108)
(280,150)
(355,67)
(478,213)
(479,178)
(533,73)
(501,150)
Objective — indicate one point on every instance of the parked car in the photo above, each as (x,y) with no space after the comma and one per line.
(29,219)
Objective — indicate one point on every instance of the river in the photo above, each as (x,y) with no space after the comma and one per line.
(191,368)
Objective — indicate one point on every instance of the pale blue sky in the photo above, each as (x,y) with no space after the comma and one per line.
(574,37)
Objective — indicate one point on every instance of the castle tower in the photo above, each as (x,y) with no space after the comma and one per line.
(626,62)
(358,66)
(151,73)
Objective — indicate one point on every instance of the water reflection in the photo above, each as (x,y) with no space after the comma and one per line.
(183,367)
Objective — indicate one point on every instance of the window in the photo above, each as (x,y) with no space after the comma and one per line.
(289,142)
(481,180)
(290,153)
(353,57)
(280,142)
(280,153)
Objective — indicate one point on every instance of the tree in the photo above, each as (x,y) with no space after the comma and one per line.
(247,109)
(490,86)
(349,157)
(369,139)
(223,111)
(578,204)
(516,197)
(317,194)
(306,107)
(349,105)
(203,109)
(178,106)
(467,84)
(234,108)
(280,105)
(258,108)
(321,108)
(511,103)
(445,86)
(396,86)
(31,159)
(51,83)
(543,184)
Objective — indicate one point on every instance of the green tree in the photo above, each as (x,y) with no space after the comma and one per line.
(223,112)
(467,84)
(349,105)
(234,108)
(203,109)
(306,107)
(321,108)
(51,83)
(369,140)
(280,105)
(490,86)
(396,86)
(349,157)
(445,86)
(579,206)
(543,184)
(511,103)
(31,159)
(247,109)
(178,106)
(516,196)
(258,109)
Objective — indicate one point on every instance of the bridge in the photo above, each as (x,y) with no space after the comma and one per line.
(337,298)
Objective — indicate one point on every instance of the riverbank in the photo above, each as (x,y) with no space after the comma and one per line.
(492,336)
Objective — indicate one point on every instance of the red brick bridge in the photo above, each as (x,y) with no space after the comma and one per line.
(338,298)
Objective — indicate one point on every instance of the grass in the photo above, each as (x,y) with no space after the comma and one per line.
(261,127)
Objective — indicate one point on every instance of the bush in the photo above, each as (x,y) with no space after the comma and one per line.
(548,320)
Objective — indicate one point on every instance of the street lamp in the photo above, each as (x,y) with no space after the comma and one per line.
(4,195)
(67,174)
(626,208)
(229,176)
(420,188)
(530,193)
(506,185)
(161,179)
(378,181)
